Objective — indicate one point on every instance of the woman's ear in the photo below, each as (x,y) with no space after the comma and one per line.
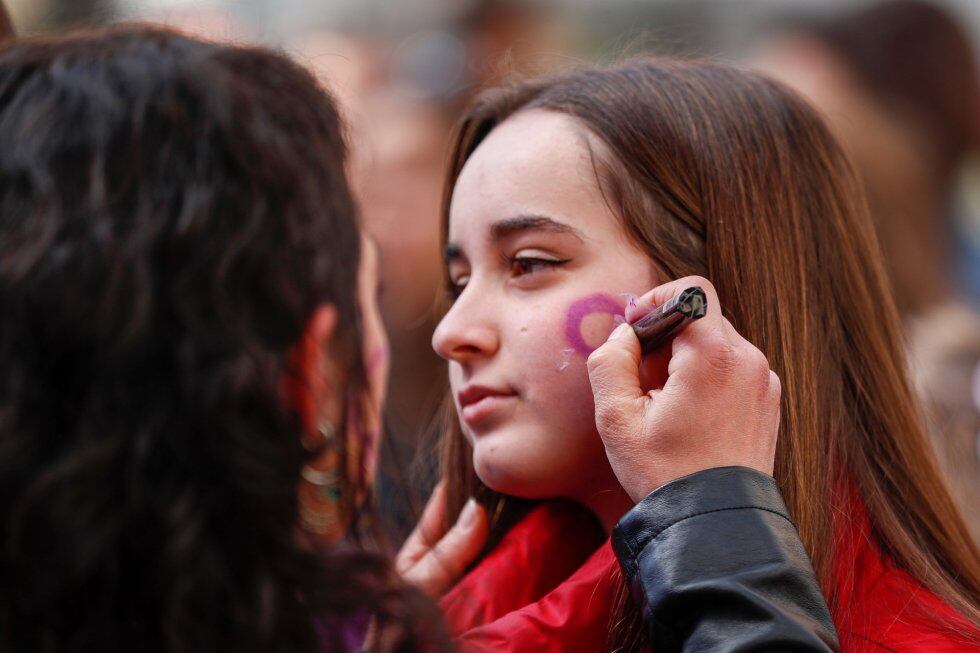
(316,394)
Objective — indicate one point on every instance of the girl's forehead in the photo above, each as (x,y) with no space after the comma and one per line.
(534,163)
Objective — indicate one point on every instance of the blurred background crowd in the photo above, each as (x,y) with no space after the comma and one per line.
(897,81)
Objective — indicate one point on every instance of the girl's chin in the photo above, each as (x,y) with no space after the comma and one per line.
(513,477)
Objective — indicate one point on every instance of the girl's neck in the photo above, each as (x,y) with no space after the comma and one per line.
(608,505)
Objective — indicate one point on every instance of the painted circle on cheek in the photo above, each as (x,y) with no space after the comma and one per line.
(599,303)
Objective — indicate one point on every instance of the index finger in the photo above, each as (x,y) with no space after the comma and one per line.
(711,325)
(430,529)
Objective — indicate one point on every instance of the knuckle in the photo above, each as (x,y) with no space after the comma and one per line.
(775,387)
(600,358)
(756,365)
(609,421)
(445,556)
(721,358)
(596,358)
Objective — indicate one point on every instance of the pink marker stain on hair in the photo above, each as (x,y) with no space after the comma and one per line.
(599,304)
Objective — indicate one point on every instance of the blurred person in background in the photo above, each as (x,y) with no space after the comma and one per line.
(899,84)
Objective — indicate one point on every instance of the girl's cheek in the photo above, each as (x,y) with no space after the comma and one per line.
(542,340)
(559,338)
(589,320)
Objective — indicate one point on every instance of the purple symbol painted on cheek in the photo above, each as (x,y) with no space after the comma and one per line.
(599,303)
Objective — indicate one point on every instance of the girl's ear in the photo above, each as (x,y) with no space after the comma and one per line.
(315,395)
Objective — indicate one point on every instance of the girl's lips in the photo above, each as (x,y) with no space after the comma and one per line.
(477,403)
(479,411)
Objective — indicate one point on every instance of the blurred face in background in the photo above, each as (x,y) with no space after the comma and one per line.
(541,268)
(398,175)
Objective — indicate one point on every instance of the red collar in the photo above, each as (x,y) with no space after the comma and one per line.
(548,586)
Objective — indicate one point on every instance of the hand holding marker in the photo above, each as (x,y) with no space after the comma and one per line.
(719,404)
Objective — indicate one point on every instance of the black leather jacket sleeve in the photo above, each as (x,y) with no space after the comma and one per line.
(715,564)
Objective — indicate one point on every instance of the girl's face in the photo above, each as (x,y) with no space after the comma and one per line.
(542,270)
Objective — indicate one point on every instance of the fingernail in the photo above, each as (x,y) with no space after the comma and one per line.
(622,332)
(467,517)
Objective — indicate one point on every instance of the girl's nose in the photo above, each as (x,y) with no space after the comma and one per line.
(464,334)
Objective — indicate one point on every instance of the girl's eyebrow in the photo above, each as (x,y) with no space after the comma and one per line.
(511,226)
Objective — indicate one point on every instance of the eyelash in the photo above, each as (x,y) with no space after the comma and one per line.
(513,264)
(532,261)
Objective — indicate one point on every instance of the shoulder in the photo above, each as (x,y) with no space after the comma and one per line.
(889,610)
(881,607)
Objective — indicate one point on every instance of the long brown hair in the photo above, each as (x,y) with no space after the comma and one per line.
(722,173)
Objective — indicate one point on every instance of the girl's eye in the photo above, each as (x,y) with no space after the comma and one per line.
(522,265)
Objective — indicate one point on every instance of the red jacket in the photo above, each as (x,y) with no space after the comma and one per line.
(883,608)
(534,557)
(546,587)
(889,610)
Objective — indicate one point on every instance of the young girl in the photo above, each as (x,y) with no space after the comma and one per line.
(568,197)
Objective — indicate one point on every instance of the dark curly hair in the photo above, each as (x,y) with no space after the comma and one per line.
(171,214)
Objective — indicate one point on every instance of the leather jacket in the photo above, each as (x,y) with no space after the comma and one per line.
(714,563)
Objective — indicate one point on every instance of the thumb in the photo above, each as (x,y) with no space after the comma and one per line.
(614,371)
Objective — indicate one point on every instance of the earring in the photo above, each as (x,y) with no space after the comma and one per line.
(320,493)
(328,437)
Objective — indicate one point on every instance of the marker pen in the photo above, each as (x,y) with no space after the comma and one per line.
(654,328)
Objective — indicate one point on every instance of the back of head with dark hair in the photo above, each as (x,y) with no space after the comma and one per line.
(171,214)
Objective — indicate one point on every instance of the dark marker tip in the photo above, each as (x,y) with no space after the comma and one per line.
(657,326)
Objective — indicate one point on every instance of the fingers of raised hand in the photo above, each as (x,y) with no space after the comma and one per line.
(431,527)
(436,570)
(614,372)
